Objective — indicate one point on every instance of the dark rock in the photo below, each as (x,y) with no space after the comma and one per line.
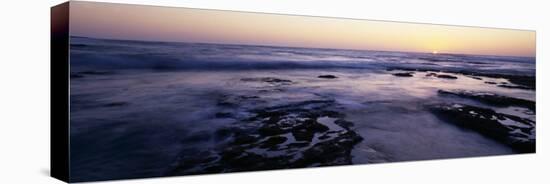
(327,76)
(325,136)
(303,135)
(526,81)
(313,126)
(249,97)
(298,144)
(273,115)
(273,141)
(271,90)
(404,74)
(327,152)
(474,77)
(266,79)
(490,82)
(262,144)
(492,99)
(225,103)
(270,130)
(275,80)
(513,87)
(244,139)
(444,76)
(514,131)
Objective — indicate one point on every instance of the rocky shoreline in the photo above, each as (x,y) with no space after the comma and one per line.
(491,98)
(526,82)
(309,133)
(518,133)
(512,130)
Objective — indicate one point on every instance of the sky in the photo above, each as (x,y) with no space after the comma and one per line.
(154,23)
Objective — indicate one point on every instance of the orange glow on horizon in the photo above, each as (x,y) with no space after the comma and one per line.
(153,23)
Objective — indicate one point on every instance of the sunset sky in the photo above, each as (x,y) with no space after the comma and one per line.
(138,22)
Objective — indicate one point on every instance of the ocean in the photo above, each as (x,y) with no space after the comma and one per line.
(146,109)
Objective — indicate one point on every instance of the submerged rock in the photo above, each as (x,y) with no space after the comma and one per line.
(492,99)
(403,74)
(266,79)
(443,76)
(327,76)
(274,90)
(518,133)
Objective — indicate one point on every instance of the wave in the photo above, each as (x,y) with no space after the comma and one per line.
(119,54)
(164,62)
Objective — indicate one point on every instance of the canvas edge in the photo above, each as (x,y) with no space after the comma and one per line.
(59,92)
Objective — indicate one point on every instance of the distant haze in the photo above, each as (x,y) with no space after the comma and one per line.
(153,23)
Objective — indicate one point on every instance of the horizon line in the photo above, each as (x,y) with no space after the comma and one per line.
(273,45)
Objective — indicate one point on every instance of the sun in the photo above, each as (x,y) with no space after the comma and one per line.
(435,52)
